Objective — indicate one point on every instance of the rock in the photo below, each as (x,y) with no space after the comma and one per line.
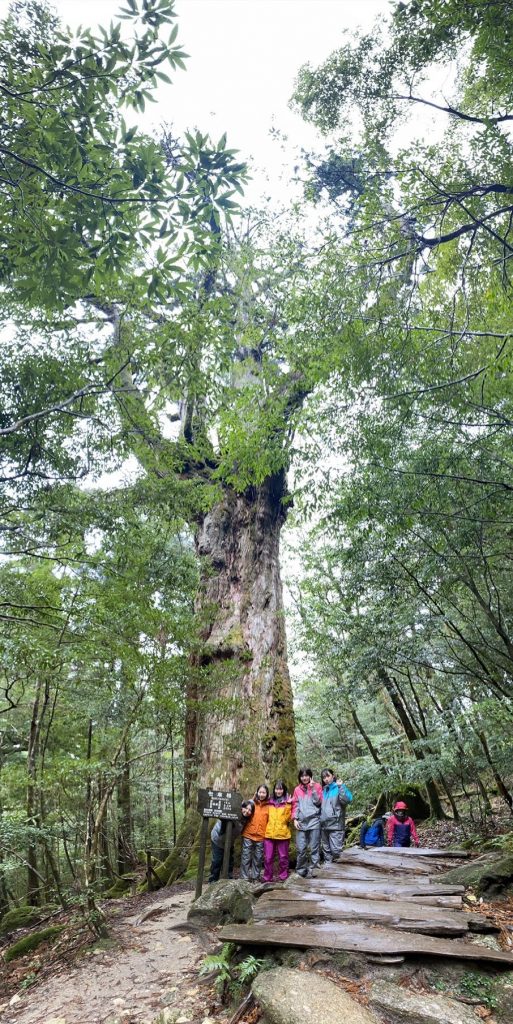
(224,902)
(20,917)
(32,941)
(490,874)
(418,1008)
(503,998)
(303,997)
(486,940)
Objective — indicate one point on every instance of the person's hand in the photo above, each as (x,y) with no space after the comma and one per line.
(296,823)
(339,782)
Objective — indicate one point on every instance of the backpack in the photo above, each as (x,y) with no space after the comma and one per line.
(374,834)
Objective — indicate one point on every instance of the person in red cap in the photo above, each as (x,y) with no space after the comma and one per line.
(401,828)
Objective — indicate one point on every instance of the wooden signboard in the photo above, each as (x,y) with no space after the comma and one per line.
(220,803)
(216,803)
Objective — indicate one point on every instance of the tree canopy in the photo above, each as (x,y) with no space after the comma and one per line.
(238,371)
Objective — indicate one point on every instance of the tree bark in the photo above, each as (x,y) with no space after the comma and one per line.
(240,720)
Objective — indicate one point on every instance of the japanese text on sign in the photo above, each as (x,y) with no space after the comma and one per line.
(219,803)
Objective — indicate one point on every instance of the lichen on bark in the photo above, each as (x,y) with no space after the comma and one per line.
(246,732)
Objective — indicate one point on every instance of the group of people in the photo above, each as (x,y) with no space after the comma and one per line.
(317,813)
(400,829)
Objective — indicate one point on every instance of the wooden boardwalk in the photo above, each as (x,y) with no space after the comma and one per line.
(383,901)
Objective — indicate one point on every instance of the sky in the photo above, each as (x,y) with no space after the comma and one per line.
(244,57)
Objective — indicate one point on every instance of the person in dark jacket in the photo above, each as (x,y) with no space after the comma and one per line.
(335,798)
(218,841)
(372,833)
(401,828)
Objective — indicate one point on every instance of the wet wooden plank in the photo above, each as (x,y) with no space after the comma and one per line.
(300,895)
(373,859)
(363,939)
(428,920)
(420,851)
(361,872)
(373,888)
(385,859)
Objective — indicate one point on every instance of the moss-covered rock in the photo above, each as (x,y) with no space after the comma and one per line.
(120,888)
(31,942)
(503,998)
(187,846)
(490,874)
(224,902)
(20,917)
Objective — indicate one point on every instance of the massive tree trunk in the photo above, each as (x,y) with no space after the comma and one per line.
(240,720)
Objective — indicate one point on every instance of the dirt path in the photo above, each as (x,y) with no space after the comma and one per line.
(150,965)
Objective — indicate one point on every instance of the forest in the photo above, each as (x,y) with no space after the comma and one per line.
(202,403)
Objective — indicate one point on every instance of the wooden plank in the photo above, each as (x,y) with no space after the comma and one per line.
(428,920)
(419,851)
(368,889)
(373,860)
(363,939)
(357,871)
(298,895)
(387,856)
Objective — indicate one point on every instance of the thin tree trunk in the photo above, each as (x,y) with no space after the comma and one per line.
(161,807)
(499,781)
(411,733)
(33,875)
(125,851)
(173,792)
(365,736)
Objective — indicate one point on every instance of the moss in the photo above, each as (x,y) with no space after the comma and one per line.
(31,942)
(187,845)
(20,917)
(120,888)
(488,874)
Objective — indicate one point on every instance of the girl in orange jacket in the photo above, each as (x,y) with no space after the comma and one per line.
(253,837)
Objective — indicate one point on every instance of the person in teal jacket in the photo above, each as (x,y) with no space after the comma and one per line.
(335,798)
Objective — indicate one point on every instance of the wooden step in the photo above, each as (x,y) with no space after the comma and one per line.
(391,862)
(398,914)
(419,851)
(362,939)
(447,902)
(375,888)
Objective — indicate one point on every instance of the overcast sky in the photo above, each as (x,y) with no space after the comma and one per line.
(244,56)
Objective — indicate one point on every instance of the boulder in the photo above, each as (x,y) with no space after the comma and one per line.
(225,902)
(398,1004)
(32,941)
(489,874)
(303,997)
(20,917)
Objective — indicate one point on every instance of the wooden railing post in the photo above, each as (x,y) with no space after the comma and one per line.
(201,856)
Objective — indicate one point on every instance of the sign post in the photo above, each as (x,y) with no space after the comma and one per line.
(216,803)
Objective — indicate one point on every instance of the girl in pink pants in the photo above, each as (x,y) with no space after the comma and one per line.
(277,833)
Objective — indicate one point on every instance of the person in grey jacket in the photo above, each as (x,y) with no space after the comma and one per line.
(335,798)
(217,845)
(306,815)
